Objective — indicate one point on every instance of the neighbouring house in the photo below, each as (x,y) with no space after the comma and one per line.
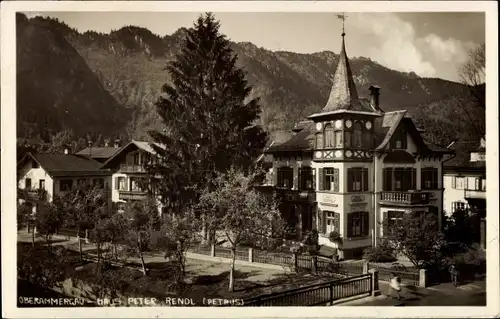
(56,174)
(100,154)
(128,167)
(465,182)
(351,166)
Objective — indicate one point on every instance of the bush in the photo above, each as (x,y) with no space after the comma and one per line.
(469,263)
(335,237)
(383,253)
(310,244)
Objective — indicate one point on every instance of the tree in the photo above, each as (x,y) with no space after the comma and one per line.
(61,141)
(417,236)
(242,214)
(49,219)
(83,206)
(462,228)
(472,74)
(177,234)
(143,217)
(208,117)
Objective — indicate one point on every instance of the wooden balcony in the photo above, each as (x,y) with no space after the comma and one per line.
(297,195)
(131,168)
(475,194)
(32,194)
(404,198)
(132,195)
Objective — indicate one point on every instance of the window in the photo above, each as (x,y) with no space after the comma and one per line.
(347,139)
(27,183)
(306,180)
(285,177)
(41,184)
(394,217)
(329,179)
(319,140)
(458,182)
(65,185)
(358,224)
(338,139)
(399,179)
(455,206)
(483,184)
(121,183)
(429,178)
(399,139)
(357,179)
(358,136)
(329,136)
(368,140)
(332,222)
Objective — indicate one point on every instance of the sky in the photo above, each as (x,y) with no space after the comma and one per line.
(429,44)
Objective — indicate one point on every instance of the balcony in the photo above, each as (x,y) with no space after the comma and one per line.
(132,195)
(297,195)
(404,198)
(475,194)
(32,194)
(132,168)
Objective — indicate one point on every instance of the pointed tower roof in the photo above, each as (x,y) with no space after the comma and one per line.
(344,96)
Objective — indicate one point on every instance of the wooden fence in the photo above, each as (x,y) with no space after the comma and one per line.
(409,277)
(316,295)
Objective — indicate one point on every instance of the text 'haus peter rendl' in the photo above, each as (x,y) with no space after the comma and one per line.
(352,165)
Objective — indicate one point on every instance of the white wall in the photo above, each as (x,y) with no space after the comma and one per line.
(36,174)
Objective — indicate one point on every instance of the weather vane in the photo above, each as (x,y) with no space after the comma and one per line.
(342,17)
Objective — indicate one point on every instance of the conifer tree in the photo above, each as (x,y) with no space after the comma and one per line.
(208,116)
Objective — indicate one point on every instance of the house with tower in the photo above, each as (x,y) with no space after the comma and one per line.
(352,165)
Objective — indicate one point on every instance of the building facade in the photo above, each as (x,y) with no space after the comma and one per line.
(351,166)
(465,182)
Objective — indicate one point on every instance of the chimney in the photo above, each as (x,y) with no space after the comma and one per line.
(106,144)
(117,144)
(374,97)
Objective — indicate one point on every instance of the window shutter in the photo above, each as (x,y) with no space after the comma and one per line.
(413,178)
(117,186)
(366,223)
(336,221)
(365,180)
(384,221)
(335,179)
(435,178)
(453,182)
(299,177)
(350,180)
(321,177)
(313,171)
(349,225)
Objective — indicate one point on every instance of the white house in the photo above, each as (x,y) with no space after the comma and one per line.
(465,181)
(352,165)
(57,174)
(128,167)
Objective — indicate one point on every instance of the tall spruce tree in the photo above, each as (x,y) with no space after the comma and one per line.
(210,121)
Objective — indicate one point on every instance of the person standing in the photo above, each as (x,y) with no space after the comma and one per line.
(395,285)
(454,274)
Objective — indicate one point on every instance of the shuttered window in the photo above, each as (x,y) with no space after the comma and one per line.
(330,179)
(357,179)
(306,178)
(429,178)
(285,177)
(358,224)
(332,222)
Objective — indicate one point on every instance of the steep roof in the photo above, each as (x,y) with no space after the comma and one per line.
(145,146)
(60,165)
(462,151)
(344,95)
(302,141)
(99,152)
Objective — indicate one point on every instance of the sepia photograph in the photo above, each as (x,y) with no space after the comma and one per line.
(207,159)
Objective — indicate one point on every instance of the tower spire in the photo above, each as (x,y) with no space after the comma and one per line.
(342,17)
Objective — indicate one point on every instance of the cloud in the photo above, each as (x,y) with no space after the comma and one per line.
(448,50)
(395,43)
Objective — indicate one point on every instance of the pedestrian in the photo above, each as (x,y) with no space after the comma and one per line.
(395,285)
(454,274)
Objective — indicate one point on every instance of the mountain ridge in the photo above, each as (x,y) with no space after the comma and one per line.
(129,63)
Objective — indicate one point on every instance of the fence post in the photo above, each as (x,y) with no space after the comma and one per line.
(250,254)
(86,236)
(295,262)
(422,278)
(365,266)
(331,295)
(375,287)
(314,264)
(212,251)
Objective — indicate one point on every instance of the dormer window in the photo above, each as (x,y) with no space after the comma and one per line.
(399,138)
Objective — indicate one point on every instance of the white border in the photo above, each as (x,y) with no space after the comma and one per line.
(8,150)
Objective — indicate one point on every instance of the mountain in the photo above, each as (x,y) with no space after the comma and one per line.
(127,72)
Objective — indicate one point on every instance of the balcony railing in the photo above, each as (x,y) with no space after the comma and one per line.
(132,195)
(471,193)
(132,168)
(33,194)
(409,198)
(297,195)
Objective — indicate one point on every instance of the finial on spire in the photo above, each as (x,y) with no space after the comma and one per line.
(342,17)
